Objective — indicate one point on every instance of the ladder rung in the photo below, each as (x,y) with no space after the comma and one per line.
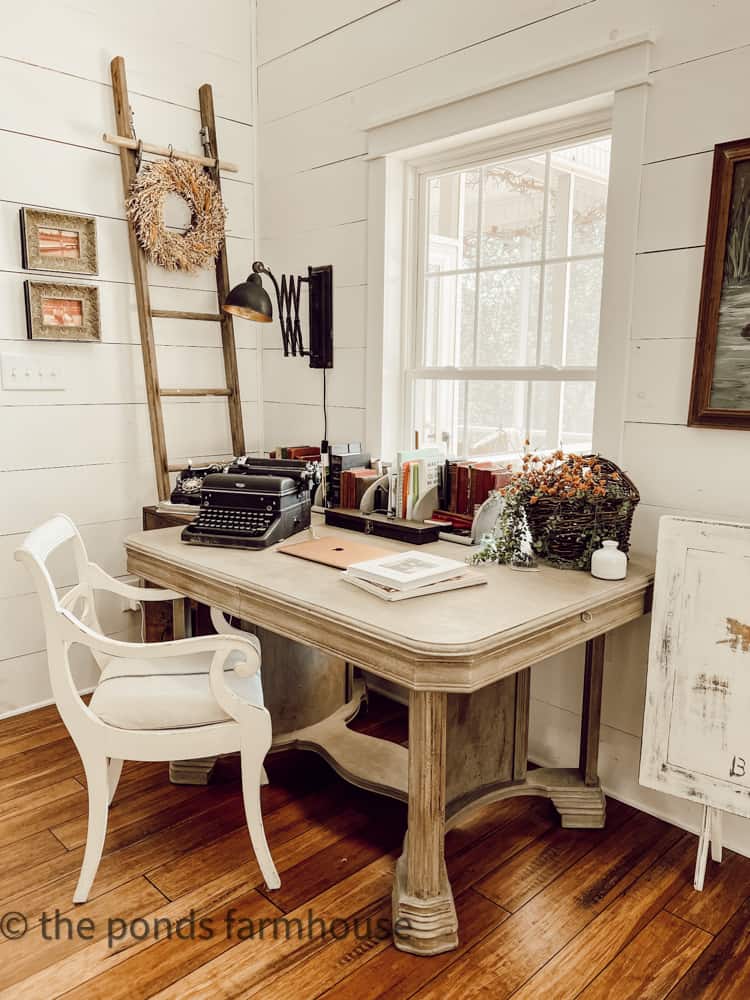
(180,314)
(195,392)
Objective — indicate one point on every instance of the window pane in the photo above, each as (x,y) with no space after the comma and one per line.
(584,301)
(513,211)
(561,416)
(508,310)
(471,418)
(572,297)
(578,199)
(452,227)
(578,416)
(449,320)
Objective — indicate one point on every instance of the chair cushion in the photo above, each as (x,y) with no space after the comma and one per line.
(171,693)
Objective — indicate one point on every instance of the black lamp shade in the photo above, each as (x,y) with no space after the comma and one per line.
(250,300)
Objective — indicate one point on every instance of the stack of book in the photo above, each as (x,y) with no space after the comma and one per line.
(354,485)
(410,574)
(466,485)
(299,452)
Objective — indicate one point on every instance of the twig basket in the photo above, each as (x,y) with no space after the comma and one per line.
(566,532)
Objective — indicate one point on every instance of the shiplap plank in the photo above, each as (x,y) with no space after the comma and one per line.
(659,381)
(22,626)
(24,680)
(291,380)
(113,373)
(323,133)
(666,293)
(327,196)
(114,257)
(705,473)
(103,542)
(289,423)
(88,181)
(284,25)
(49,95)
(409,81)
(353,56)
(344,247)
(674,203)
(167,57)
(670,131)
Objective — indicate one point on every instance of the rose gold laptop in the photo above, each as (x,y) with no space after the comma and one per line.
(335,551)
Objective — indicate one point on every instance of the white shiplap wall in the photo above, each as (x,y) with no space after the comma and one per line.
(86,450)
(328,71)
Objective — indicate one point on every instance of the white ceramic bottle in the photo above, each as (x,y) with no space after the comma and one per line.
(608,562)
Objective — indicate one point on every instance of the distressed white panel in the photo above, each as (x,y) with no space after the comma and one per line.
(659,381)
(291,380)
(700,470)
(666,294)
(674,203)
(695,720)
(671,131)
(287,24)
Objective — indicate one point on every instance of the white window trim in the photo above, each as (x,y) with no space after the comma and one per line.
(621,75)
(579,128)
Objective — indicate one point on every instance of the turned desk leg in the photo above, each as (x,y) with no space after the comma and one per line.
(424,916)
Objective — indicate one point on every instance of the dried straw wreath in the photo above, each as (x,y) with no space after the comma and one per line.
(198,246)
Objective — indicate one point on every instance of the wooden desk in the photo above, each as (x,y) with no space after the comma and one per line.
(464,658)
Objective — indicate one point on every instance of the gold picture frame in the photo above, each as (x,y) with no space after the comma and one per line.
(58,311)
(58,241)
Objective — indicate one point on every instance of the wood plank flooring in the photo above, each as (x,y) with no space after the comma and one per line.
(544,912)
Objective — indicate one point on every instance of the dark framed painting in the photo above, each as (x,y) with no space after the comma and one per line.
(58,241)
(720,394)
(58,311)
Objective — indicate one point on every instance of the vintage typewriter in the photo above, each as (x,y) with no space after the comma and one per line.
(254,503)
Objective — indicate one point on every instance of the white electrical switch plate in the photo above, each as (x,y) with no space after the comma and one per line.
(27,373)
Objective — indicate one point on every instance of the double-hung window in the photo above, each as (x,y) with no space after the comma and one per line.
(503,344)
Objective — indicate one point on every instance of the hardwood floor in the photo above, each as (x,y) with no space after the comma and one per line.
(544,912)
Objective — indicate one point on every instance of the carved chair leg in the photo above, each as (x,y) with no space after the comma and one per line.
(424,915)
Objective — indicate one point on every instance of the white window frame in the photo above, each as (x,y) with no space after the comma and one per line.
(617,75)
(532,141)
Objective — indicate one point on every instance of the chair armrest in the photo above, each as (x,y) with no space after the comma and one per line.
(223,627)
(75,631)
(100,580)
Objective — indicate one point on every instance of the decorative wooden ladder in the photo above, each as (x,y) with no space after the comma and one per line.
(154,391)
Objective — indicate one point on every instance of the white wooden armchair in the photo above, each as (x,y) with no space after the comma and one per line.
(154,701)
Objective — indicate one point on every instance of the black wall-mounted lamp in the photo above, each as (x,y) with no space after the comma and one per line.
(250,300)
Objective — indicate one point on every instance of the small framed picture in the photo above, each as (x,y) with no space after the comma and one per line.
(58,241)
(61,311)
(721,369)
